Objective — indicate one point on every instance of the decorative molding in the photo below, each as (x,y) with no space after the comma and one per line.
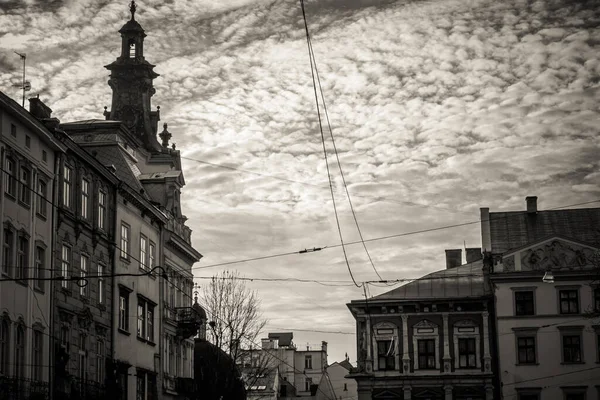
(85,318)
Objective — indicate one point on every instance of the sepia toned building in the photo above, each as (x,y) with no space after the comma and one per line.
(546,276)
(429,339)
(28,153)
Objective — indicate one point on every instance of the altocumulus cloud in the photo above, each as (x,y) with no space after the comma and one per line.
(437,107)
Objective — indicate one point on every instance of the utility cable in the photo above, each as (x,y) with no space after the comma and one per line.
(337,220)
(314,60)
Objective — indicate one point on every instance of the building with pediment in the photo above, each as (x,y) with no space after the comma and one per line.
(432,338)
(545,274)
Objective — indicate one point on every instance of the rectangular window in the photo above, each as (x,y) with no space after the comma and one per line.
(4,346)
(307,384)
(44,156)
(467,355)
(575,396)
(83,267)
(85,197)
(25,180)
(426,351)
(42,206)
(528,396)
(65,266)
(124,311)
(67,176)
(124,241)
(177,359)
(101,209)
(307,362)
(143,252)
(22,258)
(151,386)
(9,175)
(7,252)
(171,344)
(526,350)
(141,325)
(64,336)
(13,130)
(386,360)
(524,304)
(19,366)
(571,348)
(597,299)
(27,141)
(40,256)
(82,357)
(36,368)
(150,323)
(141,386)
(100,284)
(569,301)
(123,382)
(100,361)
(151,255)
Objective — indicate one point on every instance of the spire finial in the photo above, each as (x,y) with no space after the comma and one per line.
(132,8)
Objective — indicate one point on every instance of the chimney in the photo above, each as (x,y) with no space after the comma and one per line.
(531,204)
(38,109)
(486,236)
(453,258)
(474,254)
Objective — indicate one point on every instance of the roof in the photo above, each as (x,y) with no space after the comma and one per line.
(284,339)
(514,229)
(346,364)
(461,282)
(263,382)
(126,169)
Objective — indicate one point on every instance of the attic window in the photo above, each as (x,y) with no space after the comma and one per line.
(131,48)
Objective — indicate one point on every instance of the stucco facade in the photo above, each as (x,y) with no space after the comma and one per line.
(27,156)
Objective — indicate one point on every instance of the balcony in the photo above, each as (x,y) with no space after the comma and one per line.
(20,388)
(78,389)
(188,322)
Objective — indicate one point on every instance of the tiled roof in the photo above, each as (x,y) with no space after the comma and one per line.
(514,229)
(285,339)
(346,364)
(460,282)
(126,170)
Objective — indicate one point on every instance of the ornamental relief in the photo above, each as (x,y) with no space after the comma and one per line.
(556,254)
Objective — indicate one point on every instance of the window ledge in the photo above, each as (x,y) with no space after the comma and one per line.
(101,307)
(123,331)
(141,339)
(151,343)
(22,282)
(572,362)
(66,291)
(39,290)
(24,205)
(40,216)
(10,196)
(527,364)
(125,260)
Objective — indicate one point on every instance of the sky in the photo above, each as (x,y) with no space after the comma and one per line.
(437,108)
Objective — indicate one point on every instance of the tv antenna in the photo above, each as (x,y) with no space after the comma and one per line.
(25,85)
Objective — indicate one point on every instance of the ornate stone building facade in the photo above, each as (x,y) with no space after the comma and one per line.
(429,339)
(27,158)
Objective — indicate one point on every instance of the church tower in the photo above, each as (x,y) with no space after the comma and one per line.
(131,80)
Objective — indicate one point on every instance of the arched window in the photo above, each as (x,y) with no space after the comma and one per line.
(4,340)
(131,48)
(20,352)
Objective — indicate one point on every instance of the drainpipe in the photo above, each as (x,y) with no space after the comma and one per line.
(161,313)
(113,241)
(51,338)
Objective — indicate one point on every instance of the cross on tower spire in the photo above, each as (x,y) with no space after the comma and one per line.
(132,8)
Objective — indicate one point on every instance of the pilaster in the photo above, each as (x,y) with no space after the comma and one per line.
(405,353)
(487,358)
(447,357)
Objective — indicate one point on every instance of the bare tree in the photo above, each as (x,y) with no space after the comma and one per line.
(233,311)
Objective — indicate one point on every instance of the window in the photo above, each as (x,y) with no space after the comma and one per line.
(151,386)
(40,256)
(466,353)
(569,301)
(177,359)
(151,255)
(145,320)
(4,346)
(143,252)
(171,355)
(124,310)
(386,357)
(307,362)
(526,353)
(27,141)
(67,176)
(122,383)
(524,303)
(141,386)
(100,361)
(141,326)
(65,266)
(131,48)
(13,130)
(100,284)
(307,384)
(22,258)
(65,332)
(44,156)
(575,396)
(7,251)
(426,353)
(101,209)
(150,323)
(9,174)
(83,269)
(124,241)
(20,352)
(597,299)
(82,357)
(36,368)
(528,394)
(41,206)
(25,193)
(85,197)
(571,348)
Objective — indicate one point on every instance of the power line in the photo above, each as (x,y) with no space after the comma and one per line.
(337,220)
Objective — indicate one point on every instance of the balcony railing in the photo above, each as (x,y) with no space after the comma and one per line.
(79,389)
(22,389)
(188,322)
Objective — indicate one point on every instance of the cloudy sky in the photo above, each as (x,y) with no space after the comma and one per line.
(437,108)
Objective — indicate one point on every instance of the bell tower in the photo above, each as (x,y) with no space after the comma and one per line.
(131,81)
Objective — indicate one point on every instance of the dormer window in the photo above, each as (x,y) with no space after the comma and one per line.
(131,48)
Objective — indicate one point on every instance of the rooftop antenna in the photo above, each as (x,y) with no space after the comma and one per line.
(25,85)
